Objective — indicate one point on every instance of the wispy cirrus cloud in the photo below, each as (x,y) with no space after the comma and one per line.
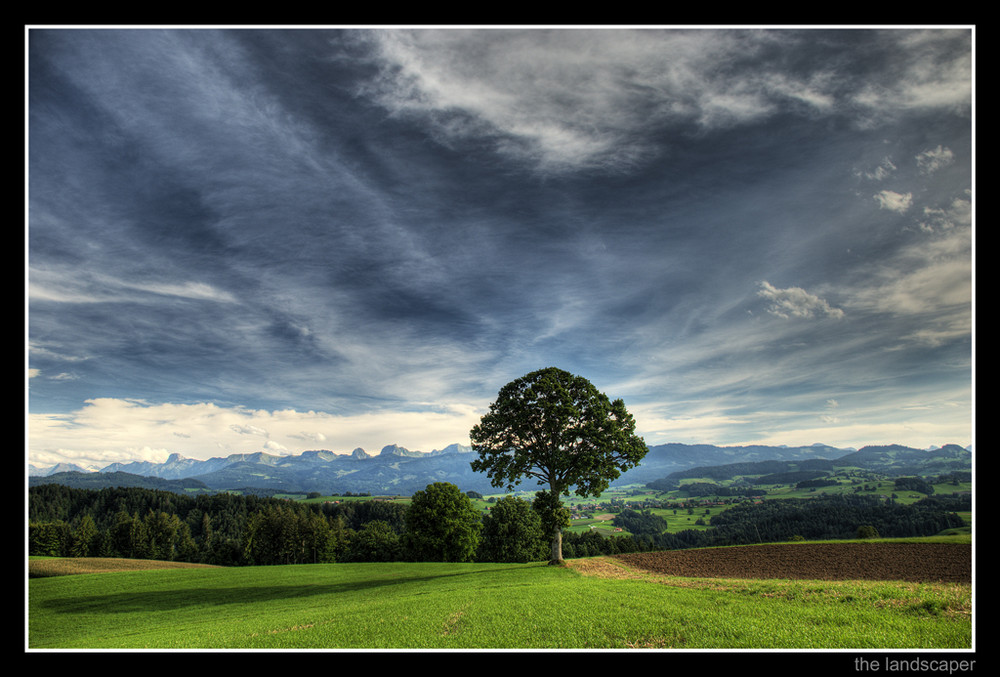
(68,285)
(578,98)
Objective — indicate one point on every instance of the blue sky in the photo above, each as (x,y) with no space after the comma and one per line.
(290,239)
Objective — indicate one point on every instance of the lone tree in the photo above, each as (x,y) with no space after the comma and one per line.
(559,429)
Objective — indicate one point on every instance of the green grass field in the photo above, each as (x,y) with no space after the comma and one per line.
(467,606)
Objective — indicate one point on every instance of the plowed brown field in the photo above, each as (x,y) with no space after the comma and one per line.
(921,562)
(63,566)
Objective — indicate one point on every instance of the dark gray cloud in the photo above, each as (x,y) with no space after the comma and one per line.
(727,228)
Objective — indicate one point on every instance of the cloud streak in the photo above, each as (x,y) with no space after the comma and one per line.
(565,99)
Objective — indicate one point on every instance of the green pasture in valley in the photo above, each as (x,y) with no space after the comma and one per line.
(467,606)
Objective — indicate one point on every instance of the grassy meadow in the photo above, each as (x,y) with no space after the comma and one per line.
(480,606)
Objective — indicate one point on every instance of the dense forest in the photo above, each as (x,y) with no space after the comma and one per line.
(224,528)
(238,530)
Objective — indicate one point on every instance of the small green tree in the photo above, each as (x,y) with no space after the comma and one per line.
(127,536)
(560,430)
(321,538)
(867,531)
(375,541)
(161,532)
(49,538)
(512,532)
(442,525)
(85,538)
(186,548)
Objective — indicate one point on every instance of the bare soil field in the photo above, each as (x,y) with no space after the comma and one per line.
(39,568)
(916,562)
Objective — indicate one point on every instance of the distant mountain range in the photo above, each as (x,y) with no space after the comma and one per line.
(396,470)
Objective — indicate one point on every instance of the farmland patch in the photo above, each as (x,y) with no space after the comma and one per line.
(918,562)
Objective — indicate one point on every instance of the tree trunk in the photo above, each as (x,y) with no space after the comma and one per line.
(557,557)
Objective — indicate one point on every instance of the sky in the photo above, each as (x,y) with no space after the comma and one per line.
(290,238)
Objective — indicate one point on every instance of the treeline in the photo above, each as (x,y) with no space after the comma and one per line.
(913,484)
(837,517)
(817,483)
(144,523)
(746,468)
(223,529)
(698,489)
(823,518)
(238,530)
(244,530)
(790,477)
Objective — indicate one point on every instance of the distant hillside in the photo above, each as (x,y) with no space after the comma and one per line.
(899,460)
(892,460)
(665,459)
(729,471)
(90,480)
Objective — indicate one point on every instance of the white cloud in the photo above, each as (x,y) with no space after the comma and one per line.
(248,430)
(931,277)
(796,302)
(38,350)
(917,434)
(928,283)
(940,292)
(880,173)
(107,430)
(919,417)
(957,214)
(930,161)
(928,69)
(893,201)
(308,436)
(697,423)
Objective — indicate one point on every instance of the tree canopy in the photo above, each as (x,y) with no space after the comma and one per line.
(442,525)
(562,431)
(512,532)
